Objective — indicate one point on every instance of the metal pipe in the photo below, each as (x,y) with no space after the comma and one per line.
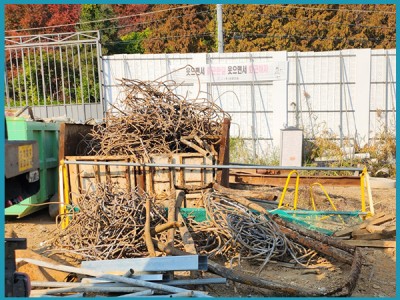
(58,284)
(341,99)
(141,293)
(220,29)
(24,74)
(149,264)
(231,166)
(116,278)
(199,281)
(86,289)
(386,90)
(103,103)
(325,212)
(43,80)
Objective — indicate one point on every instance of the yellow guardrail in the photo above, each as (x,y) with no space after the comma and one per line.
(296,192)
(364,183)
(64,194)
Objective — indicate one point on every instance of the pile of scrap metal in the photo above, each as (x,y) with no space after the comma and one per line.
(110,223)
(112,227)
(126,277)
(152,119)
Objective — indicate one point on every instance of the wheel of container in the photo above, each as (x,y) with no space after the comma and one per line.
(54,208)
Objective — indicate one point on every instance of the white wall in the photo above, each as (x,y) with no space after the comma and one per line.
(342,91)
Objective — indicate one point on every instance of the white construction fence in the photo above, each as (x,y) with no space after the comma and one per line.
(349,93)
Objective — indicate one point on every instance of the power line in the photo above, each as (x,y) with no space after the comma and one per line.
(270,15)
(208,11)
(155,21)
(102,20)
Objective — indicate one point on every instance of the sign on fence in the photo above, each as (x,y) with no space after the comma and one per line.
(232,72)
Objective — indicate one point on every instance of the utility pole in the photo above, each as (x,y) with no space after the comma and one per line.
(220,30)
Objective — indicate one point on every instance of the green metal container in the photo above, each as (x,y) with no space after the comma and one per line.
(46,135)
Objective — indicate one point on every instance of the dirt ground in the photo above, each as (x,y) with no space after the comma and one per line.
(377,278)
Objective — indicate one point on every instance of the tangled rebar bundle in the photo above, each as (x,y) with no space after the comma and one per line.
(109,224)
(244,234)
(152,118)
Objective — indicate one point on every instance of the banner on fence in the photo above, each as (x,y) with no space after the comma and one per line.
(233,72)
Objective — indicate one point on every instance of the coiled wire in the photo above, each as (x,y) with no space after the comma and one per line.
(254,236)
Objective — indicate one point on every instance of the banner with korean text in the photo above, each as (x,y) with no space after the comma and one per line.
(239,72)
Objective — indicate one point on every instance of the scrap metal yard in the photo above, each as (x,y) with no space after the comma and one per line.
(153,182)
(200,150)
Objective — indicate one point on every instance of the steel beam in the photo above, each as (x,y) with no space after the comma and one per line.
(151,264)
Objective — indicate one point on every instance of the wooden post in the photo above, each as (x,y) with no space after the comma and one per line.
(223,156)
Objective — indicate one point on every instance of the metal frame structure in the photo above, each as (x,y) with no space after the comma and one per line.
(56,74)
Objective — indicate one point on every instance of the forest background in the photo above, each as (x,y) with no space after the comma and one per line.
(163,28)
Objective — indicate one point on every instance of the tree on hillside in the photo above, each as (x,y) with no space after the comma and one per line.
(62,14)
(100,17)
(127,25)
(26,16)
(308,27)
(247,27)
(180,30)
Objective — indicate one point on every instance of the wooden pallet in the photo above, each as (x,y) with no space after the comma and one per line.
(373,232)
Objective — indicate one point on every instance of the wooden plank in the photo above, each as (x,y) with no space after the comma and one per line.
(391,230)
(223,156)
(375,228)
(368,236)
(381,220)
(349,230)
(378,232)
(73,176)
(374,244)
(248,193)
(280,180)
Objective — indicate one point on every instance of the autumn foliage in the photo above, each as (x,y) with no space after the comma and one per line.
(180,28)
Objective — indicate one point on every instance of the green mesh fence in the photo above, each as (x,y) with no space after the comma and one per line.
(326,222)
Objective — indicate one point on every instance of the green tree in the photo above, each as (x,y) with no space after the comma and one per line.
(97,17)
(133,42)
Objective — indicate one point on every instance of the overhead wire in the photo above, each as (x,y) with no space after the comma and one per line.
(191,5)
(233,34)
(102,20)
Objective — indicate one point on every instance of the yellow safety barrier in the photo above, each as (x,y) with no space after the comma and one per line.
(63,175)
(296,192)
(326,194)
(364,182)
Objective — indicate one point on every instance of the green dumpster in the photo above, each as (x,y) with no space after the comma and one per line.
(46,135)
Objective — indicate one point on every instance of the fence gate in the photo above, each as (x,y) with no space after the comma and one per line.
(55,74)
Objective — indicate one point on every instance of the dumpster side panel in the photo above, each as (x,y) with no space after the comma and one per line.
(46,135)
